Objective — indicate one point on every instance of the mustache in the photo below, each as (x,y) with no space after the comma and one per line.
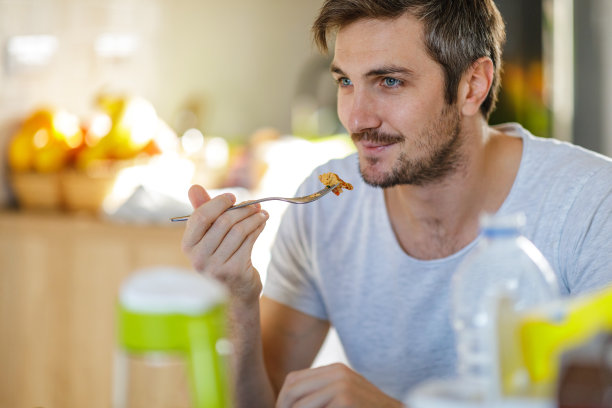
(377,137)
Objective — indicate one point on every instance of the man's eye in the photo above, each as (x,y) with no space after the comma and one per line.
(344,81)
(392,82)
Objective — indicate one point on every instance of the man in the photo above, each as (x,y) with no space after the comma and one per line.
(417,80)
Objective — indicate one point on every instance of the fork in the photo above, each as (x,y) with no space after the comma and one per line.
(293,200)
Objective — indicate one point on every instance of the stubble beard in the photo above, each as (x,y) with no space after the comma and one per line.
(439,142)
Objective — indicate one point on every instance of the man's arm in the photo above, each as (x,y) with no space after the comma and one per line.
(219,244)
(267,346)
(291,340)
(274,345)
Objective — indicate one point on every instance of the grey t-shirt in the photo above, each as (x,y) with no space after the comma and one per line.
(338,259)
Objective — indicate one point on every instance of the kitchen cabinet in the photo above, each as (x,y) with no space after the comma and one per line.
(59,278)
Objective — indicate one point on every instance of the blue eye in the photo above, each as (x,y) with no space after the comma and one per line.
(344,81)
(391,82)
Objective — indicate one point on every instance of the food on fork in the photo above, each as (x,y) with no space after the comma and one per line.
(331,179)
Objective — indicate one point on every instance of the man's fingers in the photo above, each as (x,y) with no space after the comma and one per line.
(302,393)
(318,397)
(204,216)
(197,195)
(301,384)
(241,235)
(313,387)
(245,250)
(219,243)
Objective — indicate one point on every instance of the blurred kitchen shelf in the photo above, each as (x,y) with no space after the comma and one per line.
(59,277)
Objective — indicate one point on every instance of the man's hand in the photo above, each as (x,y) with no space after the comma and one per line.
(331,386)
(219,243)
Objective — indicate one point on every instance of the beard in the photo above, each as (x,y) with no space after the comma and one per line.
(439,147)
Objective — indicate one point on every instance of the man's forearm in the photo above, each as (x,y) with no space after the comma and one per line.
(252,386)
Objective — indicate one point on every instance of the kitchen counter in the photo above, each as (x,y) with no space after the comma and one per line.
(59,276)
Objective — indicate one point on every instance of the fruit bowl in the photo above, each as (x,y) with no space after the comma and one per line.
(66,190)
(40,191)
(85,192)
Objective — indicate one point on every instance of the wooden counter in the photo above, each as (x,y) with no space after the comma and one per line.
(59,276)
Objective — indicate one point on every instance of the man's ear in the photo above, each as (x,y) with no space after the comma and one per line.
(474,86)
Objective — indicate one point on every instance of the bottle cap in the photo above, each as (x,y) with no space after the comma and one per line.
(511,224)
(170,290)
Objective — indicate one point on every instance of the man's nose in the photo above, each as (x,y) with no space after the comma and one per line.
(363,114)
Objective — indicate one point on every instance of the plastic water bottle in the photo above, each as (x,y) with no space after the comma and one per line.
(505,271)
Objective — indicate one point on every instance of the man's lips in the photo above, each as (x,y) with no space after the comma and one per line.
(375,142)
(375,146)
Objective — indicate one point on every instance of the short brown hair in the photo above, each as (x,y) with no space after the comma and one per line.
(457,33)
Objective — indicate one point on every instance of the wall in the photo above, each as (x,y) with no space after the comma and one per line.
(589,74)
(232,56)
(241,60)
(234,65)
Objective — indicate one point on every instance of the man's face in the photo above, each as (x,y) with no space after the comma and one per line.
(391,100)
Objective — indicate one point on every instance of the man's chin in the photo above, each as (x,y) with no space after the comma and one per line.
(375,178)
(379,182)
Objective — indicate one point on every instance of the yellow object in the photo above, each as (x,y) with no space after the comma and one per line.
(134,125)
(124,128)
(21,153)
(45,141)
(50,158)
(545,333)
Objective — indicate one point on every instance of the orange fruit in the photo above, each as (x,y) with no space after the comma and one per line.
(50,158)
(45,142)
(21,153)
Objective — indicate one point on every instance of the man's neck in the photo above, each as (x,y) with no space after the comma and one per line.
(438,219)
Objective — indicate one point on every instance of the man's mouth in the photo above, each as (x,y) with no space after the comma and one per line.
(375,141)
(375,145)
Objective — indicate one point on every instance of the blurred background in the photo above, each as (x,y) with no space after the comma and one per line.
(110,110)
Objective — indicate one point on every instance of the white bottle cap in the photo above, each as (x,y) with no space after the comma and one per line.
(168,290)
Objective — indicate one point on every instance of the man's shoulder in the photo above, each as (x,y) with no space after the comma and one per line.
(561,149)
(553,157)
(555,176)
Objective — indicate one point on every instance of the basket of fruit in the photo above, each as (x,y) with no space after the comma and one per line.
(42,147)
(58,162)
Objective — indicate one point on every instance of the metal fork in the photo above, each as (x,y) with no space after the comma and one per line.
(293,200)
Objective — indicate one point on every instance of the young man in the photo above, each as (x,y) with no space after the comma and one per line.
(417,80)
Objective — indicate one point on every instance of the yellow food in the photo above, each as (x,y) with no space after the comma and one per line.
(331,179)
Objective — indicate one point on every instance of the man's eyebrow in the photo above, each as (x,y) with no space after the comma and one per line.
(390,69)
(336,70)
(384,70)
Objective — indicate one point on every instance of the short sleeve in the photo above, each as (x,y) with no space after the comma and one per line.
(588,246)
(292,274)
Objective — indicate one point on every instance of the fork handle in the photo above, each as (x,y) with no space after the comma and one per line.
(249,202)
(177,219)
(295,200)
(233,207)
